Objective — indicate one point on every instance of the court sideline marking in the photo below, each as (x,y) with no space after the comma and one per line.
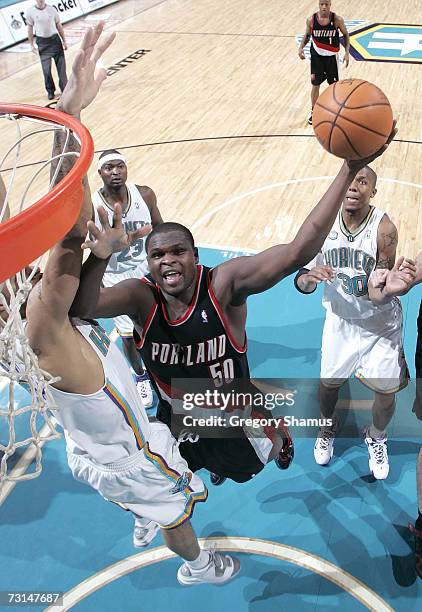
(266,548)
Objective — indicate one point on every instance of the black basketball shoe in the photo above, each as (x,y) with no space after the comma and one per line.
(217,480)
(286,454)
(418,549)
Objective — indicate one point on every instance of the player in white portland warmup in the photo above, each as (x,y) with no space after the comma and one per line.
(111,444)
(363,327)
(139,208)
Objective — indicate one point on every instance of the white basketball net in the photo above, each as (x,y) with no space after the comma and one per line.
(20,374)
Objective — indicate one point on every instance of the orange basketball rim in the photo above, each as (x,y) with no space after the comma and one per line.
(29,234)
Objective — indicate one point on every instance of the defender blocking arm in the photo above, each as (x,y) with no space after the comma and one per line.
(53,297)
(93,300)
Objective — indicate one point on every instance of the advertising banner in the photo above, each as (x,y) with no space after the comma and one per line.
(88,6)
(12,17)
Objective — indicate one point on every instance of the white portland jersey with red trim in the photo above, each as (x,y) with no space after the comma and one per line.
(132,262)
(111,424)
(353,257)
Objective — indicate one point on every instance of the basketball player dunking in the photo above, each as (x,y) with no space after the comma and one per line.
(323,29)
(363,326)
(176,337)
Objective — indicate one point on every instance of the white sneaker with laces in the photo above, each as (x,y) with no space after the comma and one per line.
(378,456)
(144,532)
(310,118)
(324,446)
(220,569)
(143,384)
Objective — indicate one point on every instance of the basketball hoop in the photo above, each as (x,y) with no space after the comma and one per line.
(24,238)
(33,231)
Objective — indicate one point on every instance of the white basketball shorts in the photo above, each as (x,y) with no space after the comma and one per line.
(371,352)
(155,483)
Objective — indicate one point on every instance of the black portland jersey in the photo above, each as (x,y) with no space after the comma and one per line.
(325,38)
(199,345)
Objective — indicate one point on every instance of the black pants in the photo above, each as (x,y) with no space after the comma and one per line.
(417,408)
(52,48)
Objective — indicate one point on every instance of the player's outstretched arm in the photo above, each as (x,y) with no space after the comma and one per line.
(50,302)
(126,297)
(247,275)
(386,284)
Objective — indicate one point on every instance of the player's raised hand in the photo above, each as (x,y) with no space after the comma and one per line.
(357,164)
(379,277)
(85,80)
(319,274)
(111,238)
(401,277)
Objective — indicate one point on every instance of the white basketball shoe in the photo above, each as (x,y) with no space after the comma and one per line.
(144,532)
(324,445)
(378,456)
(220,569)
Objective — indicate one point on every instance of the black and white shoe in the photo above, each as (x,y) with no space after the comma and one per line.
(217,480)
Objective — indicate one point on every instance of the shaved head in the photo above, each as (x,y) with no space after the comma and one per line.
(372,176)
(164,228)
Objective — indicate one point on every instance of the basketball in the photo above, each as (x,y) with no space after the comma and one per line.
(352,119)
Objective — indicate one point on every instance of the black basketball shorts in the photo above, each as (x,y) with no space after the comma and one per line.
(231,457)
(323,67)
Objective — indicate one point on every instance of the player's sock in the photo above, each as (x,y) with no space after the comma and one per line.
(201,561)
(376,433)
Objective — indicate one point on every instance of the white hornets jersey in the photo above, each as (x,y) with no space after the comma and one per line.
(132,262)
(108,425)
(352,256)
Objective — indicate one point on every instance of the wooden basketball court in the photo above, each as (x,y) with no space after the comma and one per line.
(213,115)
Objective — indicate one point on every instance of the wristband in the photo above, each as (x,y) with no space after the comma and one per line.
(300,273)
